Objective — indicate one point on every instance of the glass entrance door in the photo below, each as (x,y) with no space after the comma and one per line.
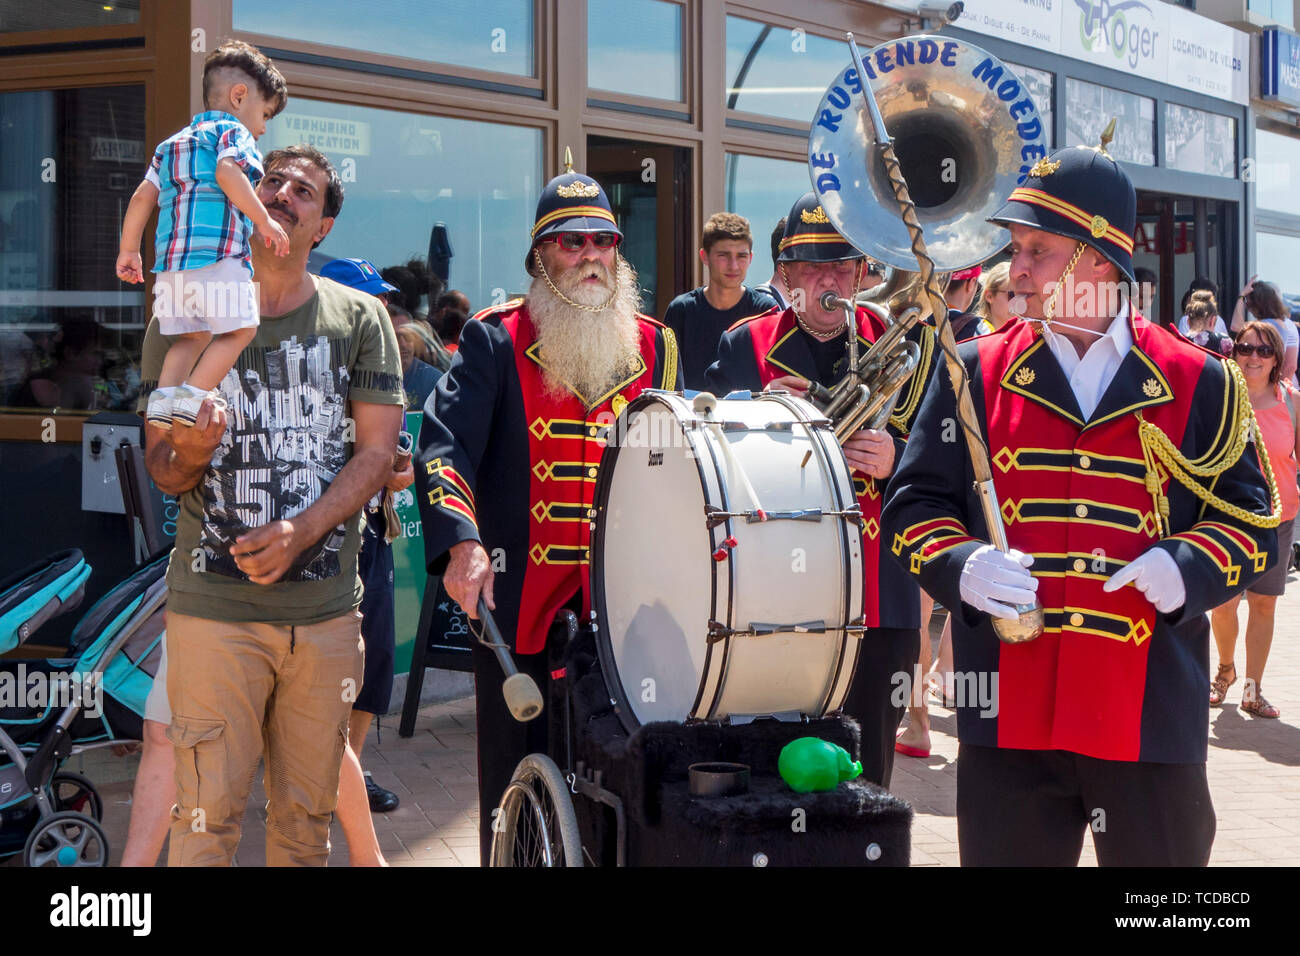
(649,187)
(1180,239)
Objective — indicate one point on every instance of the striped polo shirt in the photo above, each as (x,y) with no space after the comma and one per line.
(197,224)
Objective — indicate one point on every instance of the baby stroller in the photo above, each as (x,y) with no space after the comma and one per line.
(55,708)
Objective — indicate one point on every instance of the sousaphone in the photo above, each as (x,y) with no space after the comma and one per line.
(966,132)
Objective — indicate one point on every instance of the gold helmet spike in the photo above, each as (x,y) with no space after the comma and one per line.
(1107,135)
(568,158)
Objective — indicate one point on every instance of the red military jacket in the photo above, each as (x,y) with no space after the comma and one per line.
(757,350)
(1110,677)
(503,462)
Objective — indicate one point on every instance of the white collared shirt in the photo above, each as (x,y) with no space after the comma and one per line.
(1092,374)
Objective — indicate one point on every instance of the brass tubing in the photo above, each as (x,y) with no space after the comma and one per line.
(1025,628)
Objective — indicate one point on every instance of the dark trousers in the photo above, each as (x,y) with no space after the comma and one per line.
(378,620)
(502,740)
(1032,807)
(877,699)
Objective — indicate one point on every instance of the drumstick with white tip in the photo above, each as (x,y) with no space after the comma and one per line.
(523,699)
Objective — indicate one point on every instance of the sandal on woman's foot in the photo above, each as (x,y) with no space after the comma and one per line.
(1219,686)
(1258,706)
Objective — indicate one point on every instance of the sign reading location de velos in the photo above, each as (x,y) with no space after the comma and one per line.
(966,132)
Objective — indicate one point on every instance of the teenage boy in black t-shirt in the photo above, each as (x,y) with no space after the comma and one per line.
(699,317)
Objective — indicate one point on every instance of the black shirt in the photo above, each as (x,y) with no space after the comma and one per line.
(766,288)
(831,358)
(698,326)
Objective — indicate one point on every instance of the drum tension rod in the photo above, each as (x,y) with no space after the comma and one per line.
(717,516)
(720,632)
(737,426)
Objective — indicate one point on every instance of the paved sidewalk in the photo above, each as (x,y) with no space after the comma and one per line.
(1254,770)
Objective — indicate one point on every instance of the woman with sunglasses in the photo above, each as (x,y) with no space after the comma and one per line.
(1259,354)
(1262,300)
(995,299)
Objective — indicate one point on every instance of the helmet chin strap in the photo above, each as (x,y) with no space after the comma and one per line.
(595,309)
(1049,307)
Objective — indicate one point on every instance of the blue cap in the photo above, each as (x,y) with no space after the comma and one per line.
(357,274)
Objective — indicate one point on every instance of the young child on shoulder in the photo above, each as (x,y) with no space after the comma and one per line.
(201,179)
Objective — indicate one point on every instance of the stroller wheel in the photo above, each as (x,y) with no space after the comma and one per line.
(66,839)
(72,791)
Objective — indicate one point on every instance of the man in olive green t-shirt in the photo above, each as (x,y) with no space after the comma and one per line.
(263,632)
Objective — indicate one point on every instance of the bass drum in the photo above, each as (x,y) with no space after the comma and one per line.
(727,574)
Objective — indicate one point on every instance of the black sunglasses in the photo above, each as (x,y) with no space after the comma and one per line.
(1245,348)
(574,241)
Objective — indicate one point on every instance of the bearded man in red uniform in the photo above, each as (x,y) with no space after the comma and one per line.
(511,443)
(1134,501)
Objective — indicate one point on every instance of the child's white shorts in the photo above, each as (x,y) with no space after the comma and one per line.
(217,298)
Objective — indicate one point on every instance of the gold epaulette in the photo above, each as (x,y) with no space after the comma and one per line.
(1235,431)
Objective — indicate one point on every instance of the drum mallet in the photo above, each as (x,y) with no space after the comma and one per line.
(520,691)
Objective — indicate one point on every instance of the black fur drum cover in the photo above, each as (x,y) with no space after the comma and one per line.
(857,824)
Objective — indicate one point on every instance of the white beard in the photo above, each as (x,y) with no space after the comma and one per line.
(586,352)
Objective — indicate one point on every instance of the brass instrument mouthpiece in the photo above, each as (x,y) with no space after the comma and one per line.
(829,301)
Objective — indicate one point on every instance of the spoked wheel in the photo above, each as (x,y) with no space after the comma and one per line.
(66,839)
(72,791)
(536,824)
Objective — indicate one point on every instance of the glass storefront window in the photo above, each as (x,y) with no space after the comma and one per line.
(1279,11)
(1089,107)
(1277,172)
(1275,259)
(763,190)
(775,71)
(405,172)
(20,17)
(1200,142)
(1039,84)
(495,35)
(635,47)
(70,332)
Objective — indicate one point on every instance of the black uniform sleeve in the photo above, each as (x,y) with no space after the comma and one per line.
(931,519)
(735,369)
(1219,553)
(458,419)
(668,361)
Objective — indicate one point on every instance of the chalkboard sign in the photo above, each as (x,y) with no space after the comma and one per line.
(448,638)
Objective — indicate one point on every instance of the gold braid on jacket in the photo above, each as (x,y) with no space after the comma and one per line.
(1236,429)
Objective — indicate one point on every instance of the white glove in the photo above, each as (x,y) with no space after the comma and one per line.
(994,582)
(1156,575)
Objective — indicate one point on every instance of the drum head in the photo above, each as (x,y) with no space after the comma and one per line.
(651,581)
(783,589)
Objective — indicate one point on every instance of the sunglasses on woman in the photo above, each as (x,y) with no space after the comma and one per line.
(575,241)
(1245,348)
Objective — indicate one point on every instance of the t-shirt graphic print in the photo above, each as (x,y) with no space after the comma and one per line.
(287,408)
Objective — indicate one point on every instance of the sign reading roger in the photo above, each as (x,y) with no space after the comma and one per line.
(1145,38)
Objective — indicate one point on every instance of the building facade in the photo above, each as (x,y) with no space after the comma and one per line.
(446,117)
